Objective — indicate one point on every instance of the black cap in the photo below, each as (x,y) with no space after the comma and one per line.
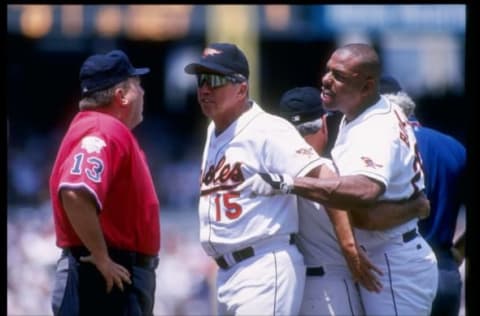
(388,84)
(301,104)
(100,72)
(221,58)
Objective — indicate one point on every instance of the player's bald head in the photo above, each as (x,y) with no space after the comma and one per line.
(364,57)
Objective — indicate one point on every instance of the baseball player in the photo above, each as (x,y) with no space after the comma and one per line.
(376,155)
(106,211)
(330,287)
(444,160)
(252,239)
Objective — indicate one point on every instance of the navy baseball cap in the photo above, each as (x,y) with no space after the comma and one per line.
(389,85)
(301,104)
(102,71)
(221,58)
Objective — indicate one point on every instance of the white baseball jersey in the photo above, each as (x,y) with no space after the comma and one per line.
(272,281)
(255,142)
(380,144)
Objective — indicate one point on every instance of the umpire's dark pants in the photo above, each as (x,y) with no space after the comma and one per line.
(80,289)
(448,298)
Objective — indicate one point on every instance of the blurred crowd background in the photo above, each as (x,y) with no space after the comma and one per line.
(423,46)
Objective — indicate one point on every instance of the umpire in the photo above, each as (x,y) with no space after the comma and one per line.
(106,211)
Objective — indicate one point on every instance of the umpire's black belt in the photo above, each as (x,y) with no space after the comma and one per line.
(123,257)
(243,254)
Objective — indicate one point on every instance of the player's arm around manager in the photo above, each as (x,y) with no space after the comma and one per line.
(302,107)
(106,211)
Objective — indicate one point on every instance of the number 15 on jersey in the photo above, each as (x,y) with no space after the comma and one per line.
(224,206)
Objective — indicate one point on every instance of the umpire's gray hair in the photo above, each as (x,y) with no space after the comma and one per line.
(403,100)
(101,98)
(310,127)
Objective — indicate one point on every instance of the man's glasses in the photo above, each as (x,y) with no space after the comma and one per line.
(215,81)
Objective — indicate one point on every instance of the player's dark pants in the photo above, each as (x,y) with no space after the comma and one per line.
(447,301)
(80,289)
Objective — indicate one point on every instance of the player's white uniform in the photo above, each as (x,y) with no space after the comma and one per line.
(271,281)
(381,145)
(329,287)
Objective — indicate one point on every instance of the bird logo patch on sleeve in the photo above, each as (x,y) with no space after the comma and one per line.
(369,163)
(93,144)
(305,151)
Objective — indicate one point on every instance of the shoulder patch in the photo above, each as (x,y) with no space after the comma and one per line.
(369,163)
(305,151)
(93,144)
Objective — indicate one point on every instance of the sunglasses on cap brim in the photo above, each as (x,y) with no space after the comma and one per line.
(215,80)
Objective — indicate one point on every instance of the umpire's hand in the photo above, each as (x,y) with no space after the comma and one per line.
(111,271)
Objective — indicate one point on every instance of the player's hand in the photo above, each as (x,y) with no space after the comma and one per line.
(112,272)
(364,271)
(266,184)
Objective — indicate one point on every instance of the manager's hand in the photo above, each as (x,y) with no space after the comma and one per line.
(266,184)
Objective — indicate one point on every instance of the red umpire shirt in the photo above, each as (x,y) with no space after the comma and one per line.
(100,154)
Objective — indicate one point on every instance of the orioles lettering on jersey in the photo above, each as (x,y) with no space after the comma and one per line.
(222,176)
(403,130)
